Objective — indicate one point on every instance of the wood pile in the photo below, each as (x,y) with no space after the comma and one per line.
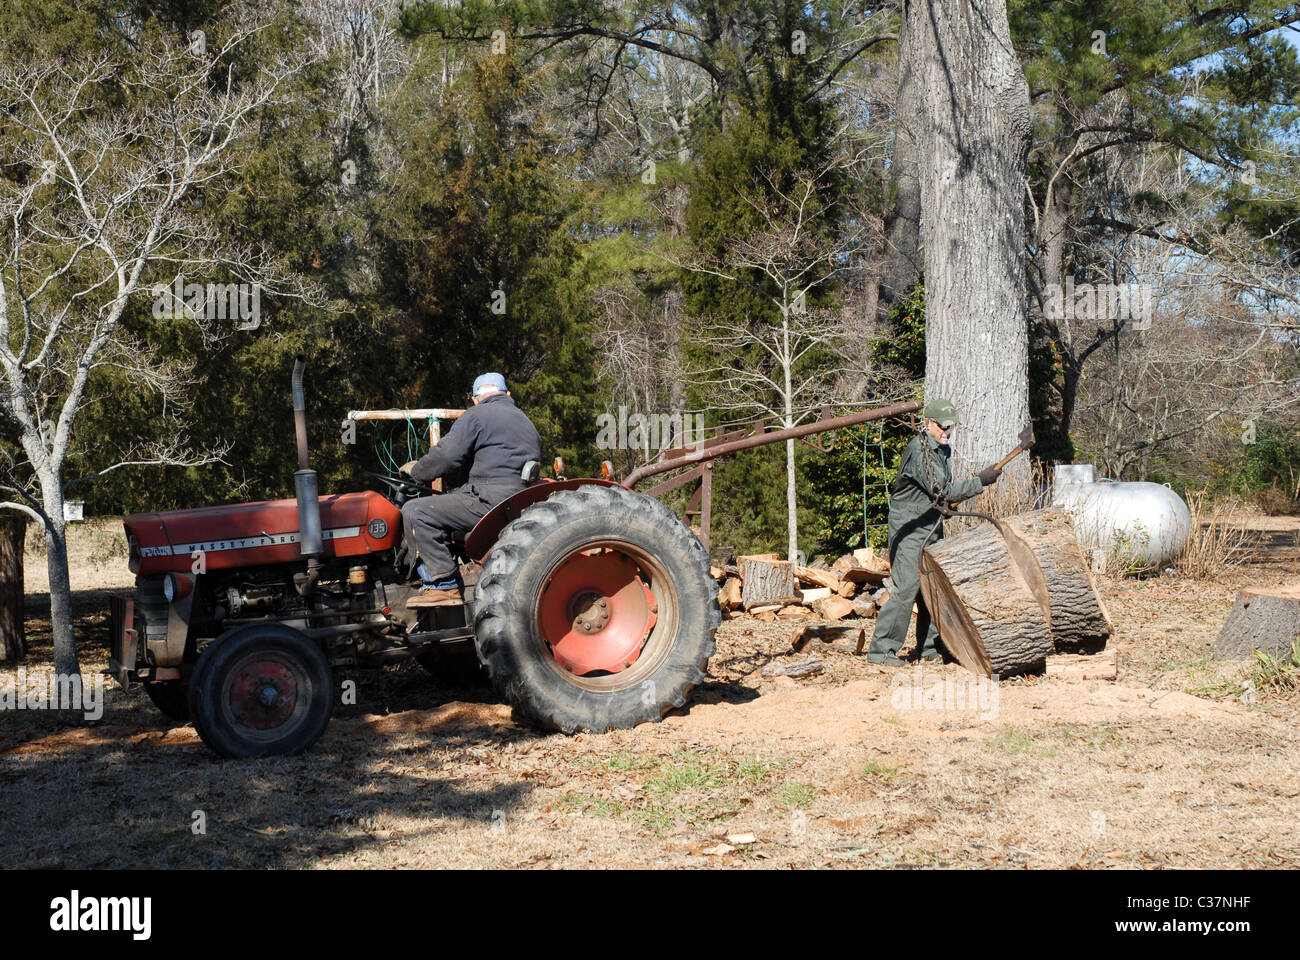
(765,587)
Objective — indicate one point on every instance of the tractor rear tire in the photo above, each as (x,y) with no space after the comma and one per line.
(596,611)
(261,689)
(171,697)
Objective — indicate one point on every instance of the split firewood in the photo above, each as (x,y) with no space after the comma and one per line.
(794,611)
(822,578)
(845,562)
(868,558)
(765,608)
(765,557)
(865,608)
(731,593)
(834,608)
(825,632)
(809,597)
(865,575)
(799,668)
(716,573)
(847,589)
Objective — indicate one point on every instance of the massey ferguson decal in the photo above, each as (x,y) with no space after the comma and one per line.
(246,543)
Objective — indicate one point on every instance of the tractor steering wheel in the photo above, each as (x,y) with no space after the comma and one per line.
(403,488)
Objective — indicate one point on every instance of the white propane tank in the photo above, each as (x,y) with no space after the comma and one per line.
(1141,526)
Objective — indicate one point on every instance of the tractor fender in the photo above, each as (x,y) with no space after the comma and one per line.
(486,531)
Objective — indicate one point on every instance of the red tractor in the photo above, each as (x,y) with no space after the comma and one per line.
(593,610)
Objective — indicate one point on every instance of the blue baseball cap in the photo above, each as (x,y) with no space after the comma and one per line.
(489,381)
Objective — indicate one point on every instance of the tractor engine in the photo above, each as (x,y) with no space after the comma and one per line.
(201,571)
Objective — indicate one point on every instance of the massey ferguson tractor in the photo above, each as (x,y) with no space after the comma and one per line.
(593,610)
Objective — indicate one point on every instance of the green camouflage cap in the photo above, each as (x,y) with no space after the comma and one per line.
(942,412)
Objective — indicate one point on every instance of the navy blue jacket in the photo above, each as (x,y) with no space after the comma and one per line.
(493,440)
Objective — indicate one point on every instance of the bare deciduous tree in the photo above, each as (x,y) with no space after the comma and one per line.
(105,155)
(797,254)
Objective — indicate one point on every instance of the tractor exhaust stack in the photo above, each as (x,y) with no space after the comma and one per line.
(311,544)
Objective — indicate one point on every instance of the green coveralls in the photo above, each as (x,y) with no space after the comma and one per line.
(912,515)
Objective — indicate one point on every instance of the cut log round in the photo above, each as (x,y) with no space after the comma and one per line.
(987,616)
(766,581)
(1261,619)
(1043,546)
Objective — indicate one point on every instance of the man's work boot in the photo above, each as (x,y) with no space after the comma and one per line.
(446,594)
(885,659)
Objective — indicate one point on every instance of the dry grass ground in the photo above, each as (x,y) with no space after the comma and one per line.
(848,768)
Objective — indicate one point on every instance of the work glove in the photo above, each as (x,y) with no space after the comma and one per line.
(989,475)
(406,468)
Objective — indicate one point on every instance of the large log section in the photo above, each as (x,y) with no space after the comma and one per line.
(987,616)
(1003,604)
(1043,545)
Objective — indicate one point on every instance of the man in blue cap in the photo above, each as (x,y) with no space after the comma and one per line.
(924,482)
(492,441)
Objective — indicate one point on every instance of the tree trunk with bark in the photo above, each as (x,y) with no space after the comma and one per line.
(13,537)
(56,562)
(973,141)
(903,222)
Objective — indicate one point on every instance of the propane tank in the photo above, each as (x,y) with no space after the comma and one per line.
(1142,526)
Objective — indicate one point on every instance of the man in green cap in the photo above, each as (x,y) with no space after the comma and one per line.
(924,480)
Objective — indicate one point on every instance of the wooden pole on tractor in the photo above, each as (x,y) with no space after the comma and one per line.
(433,414)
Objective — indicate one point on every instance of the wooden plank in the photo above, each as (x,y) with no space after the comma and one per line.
(1069,666)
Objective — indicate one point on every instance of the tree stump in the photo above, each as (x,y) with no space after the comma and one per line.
(1043,545)
(1261,619)
(766,581)
(987,616)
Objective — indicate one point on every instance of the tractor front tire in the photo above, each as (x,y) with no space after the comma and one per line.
(261,689)
(596,611)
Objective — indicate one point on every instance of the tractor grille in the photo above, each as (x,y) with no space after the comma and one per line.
(122,637)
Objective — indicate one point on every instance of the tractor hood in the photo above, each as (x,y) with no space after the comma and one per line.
(256,534)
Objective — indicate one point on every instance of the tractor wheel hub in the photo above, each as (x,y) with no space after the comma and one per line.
(596,612)
(263,695)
